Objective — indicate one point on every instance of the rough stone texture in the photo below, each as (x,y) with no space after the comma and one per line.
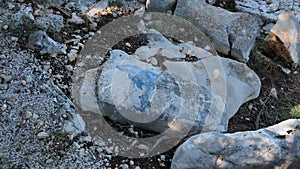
(284,39)
(277,146)
(50,23)
(269,9)
(24,15)
(158,76)
(160,5)
(41,41)
(232,33)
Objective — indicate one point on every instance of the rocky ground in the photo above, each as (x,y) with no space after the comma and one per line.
(38,116)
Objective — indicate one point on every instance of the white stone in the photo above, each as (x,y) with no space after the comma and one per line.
(42,135)
(273,147)
(284,38)
(232,33)
(208,87)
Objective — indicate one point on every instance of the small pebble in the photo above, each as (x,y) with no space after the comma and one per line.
(125,166)
(14,39)
(39,124)
(42,135)
(273,93)
(163,157)
(5,27)
(64,116)
(49,161)
(131,130)
(28,114)
(35,116)
(91,33)
(23,82)
(4,107)
(82,151)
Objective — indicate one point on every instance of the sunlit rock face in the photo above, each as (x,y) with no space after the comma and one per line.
(273,147)
(284,38)
(168,86)
(233,33)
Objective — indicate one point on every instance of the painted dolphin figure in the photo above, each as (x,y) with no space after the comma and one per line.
(144,80)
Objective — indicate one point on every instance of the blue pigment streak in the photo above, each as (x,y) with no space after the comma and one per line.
(144,80)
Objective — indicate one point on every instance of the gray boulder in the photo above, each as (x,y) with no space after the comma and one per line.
(273,147)
(160,5)
(283,40)
(232,33)
(163,85)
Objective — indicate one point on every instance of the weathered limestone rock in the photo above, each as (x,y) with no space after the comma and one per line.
(277,146)
(158,86)
(160,5)
(41,41)
(284,39)
(232,33)
(269,9)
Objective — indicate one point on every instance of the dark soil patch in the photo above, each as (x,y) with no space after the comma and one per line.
(266,110)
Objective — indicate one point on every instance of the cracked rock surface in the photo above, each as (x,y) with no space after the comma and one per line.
(273,147)
(232,33)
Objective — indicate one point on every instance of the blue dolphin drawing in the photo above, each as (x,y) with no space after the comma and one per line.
(144,80)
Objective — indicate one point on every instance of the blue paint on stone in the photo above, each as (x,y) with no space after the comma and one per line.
(144,80)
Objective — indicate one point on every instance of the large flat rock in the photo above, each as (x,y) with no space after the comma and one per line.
(232,33)
(273,147)
(159,87)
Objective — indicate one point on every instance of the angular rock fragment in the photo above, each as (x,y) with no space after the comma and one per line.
(232,33)
(284,39)
(163,84)
(97,8)
(76,19)
(160,5)
(41,41)
(277,146)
